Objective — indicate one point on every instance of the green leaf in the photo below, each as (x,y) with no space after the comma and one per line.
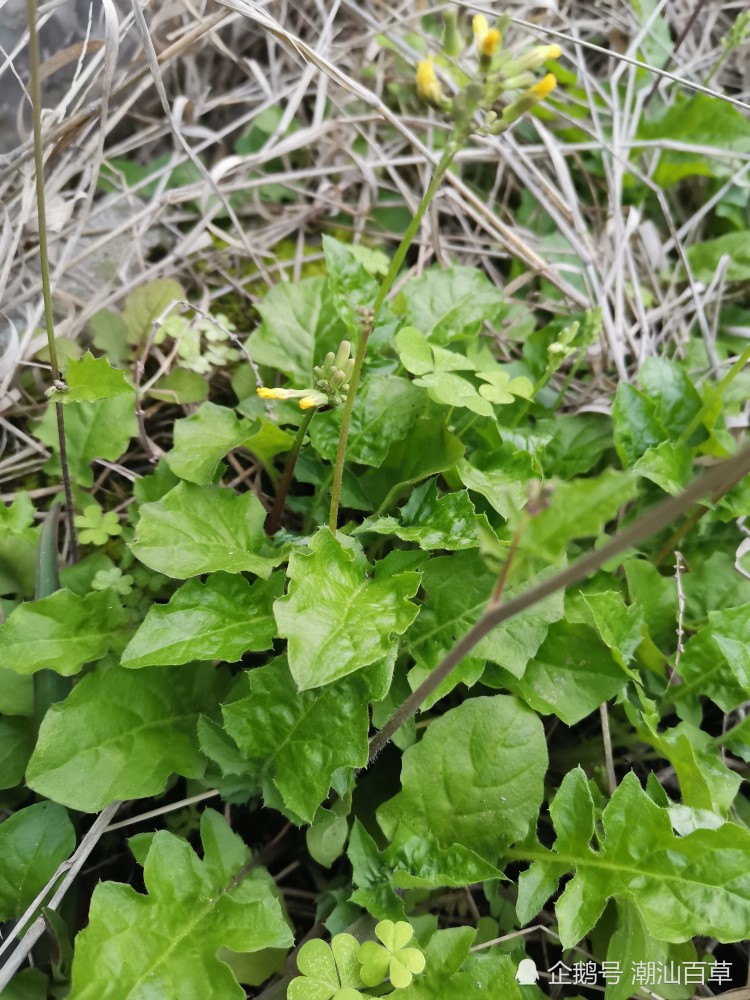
(457,590)
(696,122)
(165,943)
(452,390)
(636,426)
(716,660)
(202,440)
(181,386)
(92,430)
(90,379)
(704,257)
(17,738)
(632,943)
(349,622)
(384,412)
(682,886)
(60,632)
(277,726)
(203,529)
(414,351)
(120,734)
(502,478)
(433,522)
(571,675)
(411,861)
(676,399)
(669,465)
(476,777)
(580,508)
(221,619)
(705,781)
(147,303)
(299,326)
(449,303)
(33,842)
(427,450)
(328,970)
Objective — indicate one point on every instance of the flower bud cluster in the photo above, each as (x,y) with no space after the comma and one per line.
(498,72)
(330,382)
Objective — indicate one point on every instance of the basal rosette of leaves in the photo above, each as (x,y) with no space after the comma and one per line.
(200,662)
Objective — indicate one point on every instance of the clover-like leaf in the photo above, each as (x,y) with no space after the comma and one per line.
(96,526)
(329,972)
(392,958)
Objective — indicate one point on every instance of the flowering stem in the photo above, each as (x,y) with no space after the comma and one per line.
(274,517)
(338,471)
(35,85)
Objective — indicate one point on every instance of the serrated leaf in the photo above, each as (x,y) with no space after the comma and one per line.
(90,379)
(433,522)
(92,430)
(681,886)
(202,440)
(220,619)
(336,617)
(60,632)
(204,529)
(166,942)
(277,727)
(33,842)
(476,777)
(120,734)
(384,412)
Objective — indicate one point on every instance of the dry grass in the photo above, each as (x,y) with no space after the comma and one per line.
(184,79)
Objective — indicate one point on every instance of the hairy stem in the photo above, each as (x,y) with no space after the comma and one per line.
(715,481)
(274,518)
(338,471)
(36,102)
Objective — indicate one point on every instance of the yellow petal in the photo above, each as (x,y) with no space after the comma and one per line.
(479,26)
(490,43)
(266,393)
(545,87)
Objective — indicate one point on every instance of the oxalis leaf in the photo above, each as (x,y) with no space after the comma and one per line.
(165,943)
(279,727)
(475,779)
(220,619)
(337,617)
(120,734)
(681,886)
(329,971)
(201,529)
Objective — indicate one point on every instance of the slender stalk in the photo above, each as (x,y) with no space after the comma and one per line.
(36,102)
(716,480)
(274,518)
(366,329)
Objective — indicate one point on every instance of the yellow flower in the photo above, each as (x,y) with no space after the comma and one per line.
(428,85)
(480,27)
(490,43)
(544,87)
(265,393)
